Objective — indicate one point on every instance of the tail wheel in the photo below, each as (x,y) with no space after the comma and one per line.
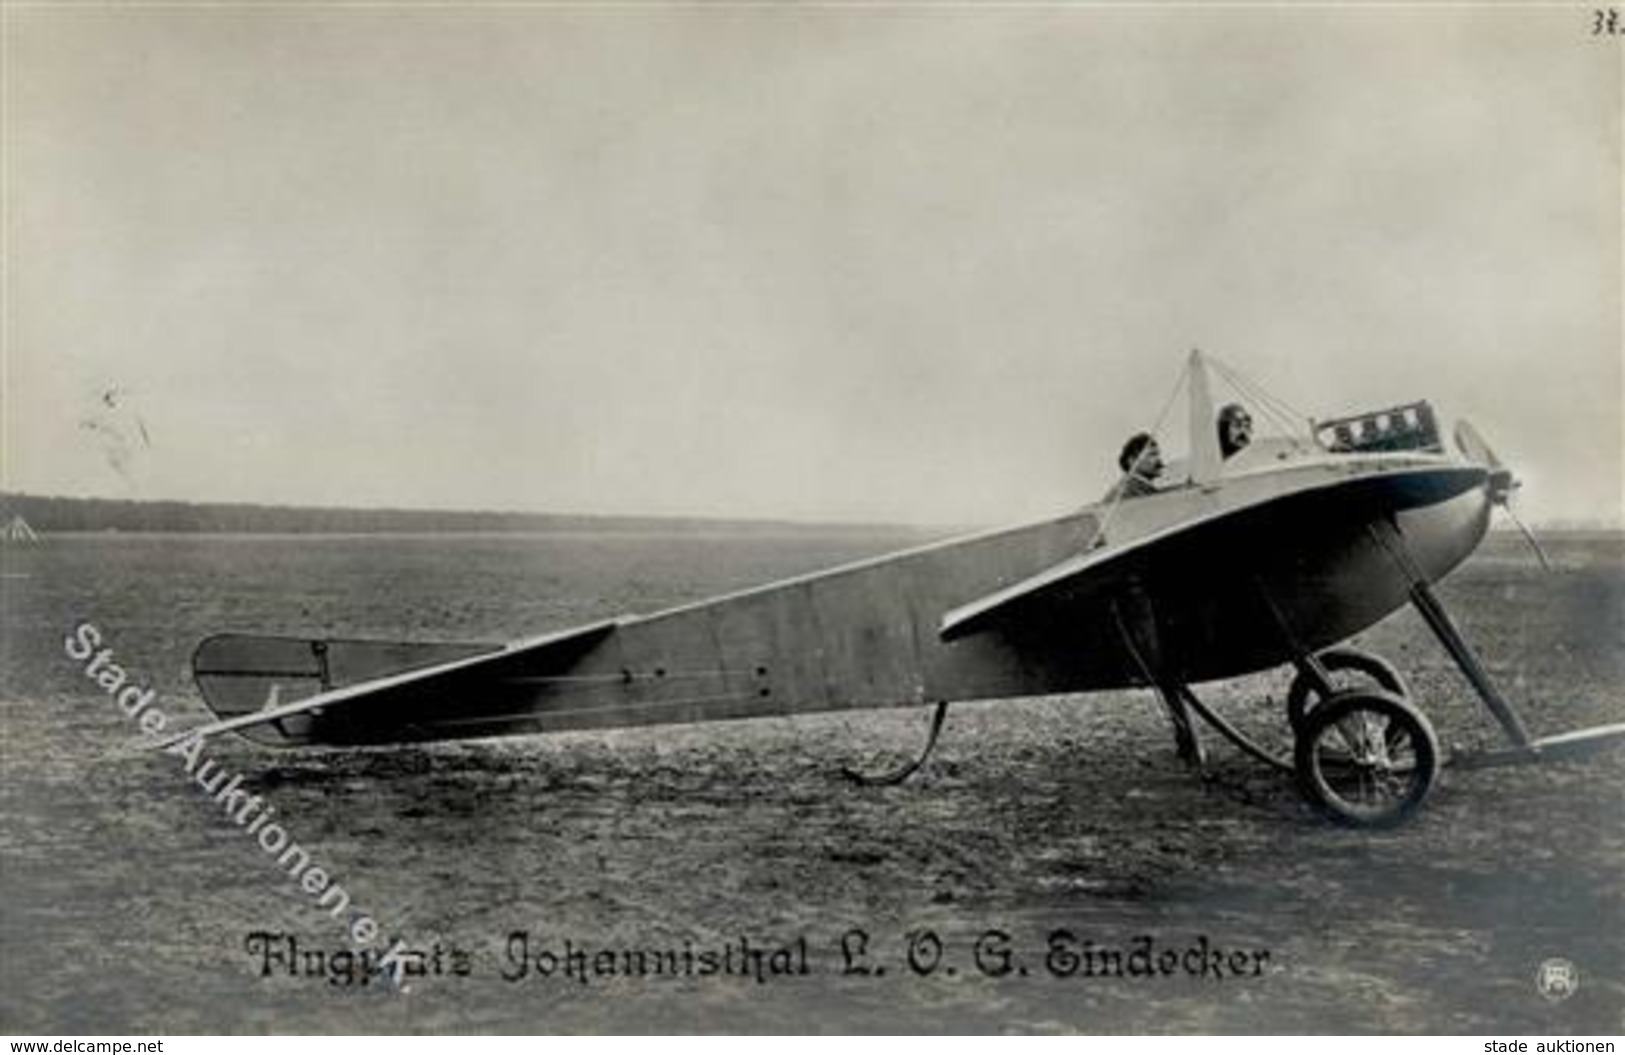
(1366,759)
(1349,668)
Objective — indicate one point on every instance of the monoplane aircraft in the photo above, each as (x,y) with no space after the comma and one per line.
(1233,561)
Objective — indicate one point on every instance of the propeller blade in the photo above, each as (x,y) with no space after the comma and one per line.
(1473,447)
(1471,444)
(1534,543)
(1502,483)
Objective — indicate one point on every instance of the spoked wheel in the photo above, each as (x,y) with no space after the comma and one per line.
(1349,668)
(1366,759)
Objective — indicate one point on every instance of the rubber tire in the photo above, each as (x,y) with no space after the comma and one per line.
(1301,696)
(1400,714)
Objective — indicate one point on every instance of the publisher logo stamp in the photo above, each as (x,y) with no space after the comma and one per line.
(1557,979)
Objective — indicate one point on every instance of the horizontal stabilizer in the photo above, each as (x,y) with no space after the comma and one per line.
(278,686)
(241,674)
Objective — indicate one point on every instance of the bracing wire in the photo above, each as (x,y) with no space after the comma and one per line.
(1291,415)
(1277,410)
(1292,422)
(1281,413)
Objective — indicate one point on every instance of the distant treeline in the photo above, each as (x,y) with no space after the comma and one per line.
(50,514)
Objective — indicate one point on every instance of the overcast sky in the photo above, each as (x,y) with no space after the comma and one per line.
(925,265)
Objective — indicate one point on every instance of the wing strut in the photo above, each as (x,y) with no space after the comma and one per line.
(1524,747)
(1433,613)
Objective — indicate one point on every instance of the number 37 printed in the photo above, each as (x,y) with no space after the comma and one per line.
(1606,22)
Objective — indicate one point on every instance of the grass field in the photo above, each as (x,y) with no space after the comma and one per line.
(127,899)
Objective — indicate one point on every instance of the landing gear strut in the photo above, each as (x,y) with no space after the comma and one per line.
(1363,757)
(1187,737)
(1357,668)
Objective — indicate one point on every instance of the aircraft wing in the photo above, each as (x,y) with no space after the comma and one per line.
(1257,529)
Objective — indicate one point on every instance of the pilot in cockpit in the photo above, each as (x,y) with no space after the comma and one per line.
(1141,462)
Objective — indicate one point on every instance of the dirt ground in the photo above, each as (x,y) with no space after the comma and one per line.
(960,901)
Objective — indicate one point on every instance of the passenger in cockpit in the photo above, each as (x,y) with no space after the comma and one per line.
(1235,429)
